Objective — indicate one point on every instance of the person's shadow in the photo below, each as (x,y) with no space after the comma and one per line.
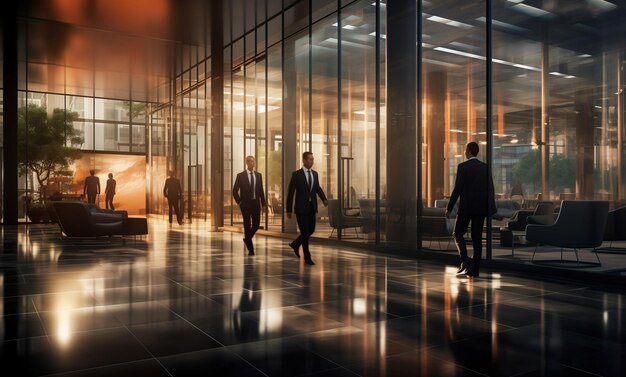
(246,316)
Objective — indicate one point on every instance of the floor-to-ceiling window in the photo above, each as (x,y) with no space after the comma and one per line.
(558,102)
(357,166)
(274,157)
(453,101)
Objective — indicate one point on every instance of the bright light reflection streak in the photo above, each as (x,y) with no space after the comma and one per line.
(63,330)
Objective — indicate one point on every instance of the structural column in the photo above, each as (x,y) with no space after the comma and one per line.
(402,122)
(217,115)
(584,145)
(545,121)
(621,177)
(9,123)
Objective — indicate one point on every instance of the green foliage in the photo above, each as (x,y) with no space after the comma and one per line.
(138,109)
(47,145)
(528,169)
(562,171)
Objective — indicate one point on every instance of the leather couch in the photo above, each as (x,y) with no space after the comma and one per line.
(80,219)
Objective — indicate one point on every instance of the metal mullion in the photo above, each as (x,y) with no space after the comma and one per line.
(377,168)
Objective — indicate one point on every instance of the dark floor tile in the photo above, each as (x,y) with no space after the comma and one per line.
(172,337)
(282,358)
(65,300)
(29,356)
(533,348)
(137,313)
(432,329)
(350,345)
(18,326)
(334,372)
(357,312)
(233,327)
(213,362)
(88,349)
(502,314)
(416,363)
(81,319)
(149,367)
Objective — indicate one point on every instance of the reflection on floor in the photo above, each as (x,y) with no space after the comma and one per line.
(184,302)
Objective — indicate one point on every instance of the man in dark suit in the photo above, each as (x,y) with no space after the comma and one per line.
(92,186)
(173,191)
(474,187)
(249,195)
(305,183)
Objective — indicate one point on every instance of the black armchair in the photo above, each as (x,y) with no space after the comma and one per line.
(337,219)
(580,224)
(542,214)
(615,228)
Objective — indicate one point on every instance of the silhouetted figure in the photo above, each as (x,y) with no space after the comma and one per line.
(173,191)
(274,202)
(305,184)
(92,186)
(517,189)
(109,192)
(477,199)
(248,194)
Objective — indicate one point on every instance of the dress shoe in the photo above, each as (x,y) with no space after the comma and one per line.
(465,265)
(251,253)
(248,244)
(471,272)
(295,248)
(309,262)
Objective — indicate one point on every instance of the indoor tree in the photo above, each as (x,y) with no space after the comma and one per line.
(47,143)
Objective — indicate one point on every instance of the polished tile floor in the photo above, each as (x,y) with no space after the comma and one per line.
(185,302)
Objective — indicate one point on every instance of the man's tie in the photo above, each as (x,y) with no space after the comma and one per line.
(310,183)
(252,183)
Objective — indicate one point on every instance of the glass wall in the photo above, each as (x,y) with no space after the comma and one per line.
(558,108)
(273,113)
(317,76)
(453,102)
(357,165)
(49,167)
(308,103)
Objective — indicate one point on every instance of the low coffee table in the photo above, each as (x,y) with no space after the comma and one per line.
(134,226)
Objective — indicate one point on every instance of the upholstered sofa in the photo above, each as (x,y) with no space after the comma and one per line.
(506,208)
(79,219)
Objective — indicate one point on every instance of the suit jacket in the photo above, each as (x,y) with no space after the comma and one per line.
(92,185)
(475,189)
(110,189)
(242,191)
(172,189)
(298,184)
